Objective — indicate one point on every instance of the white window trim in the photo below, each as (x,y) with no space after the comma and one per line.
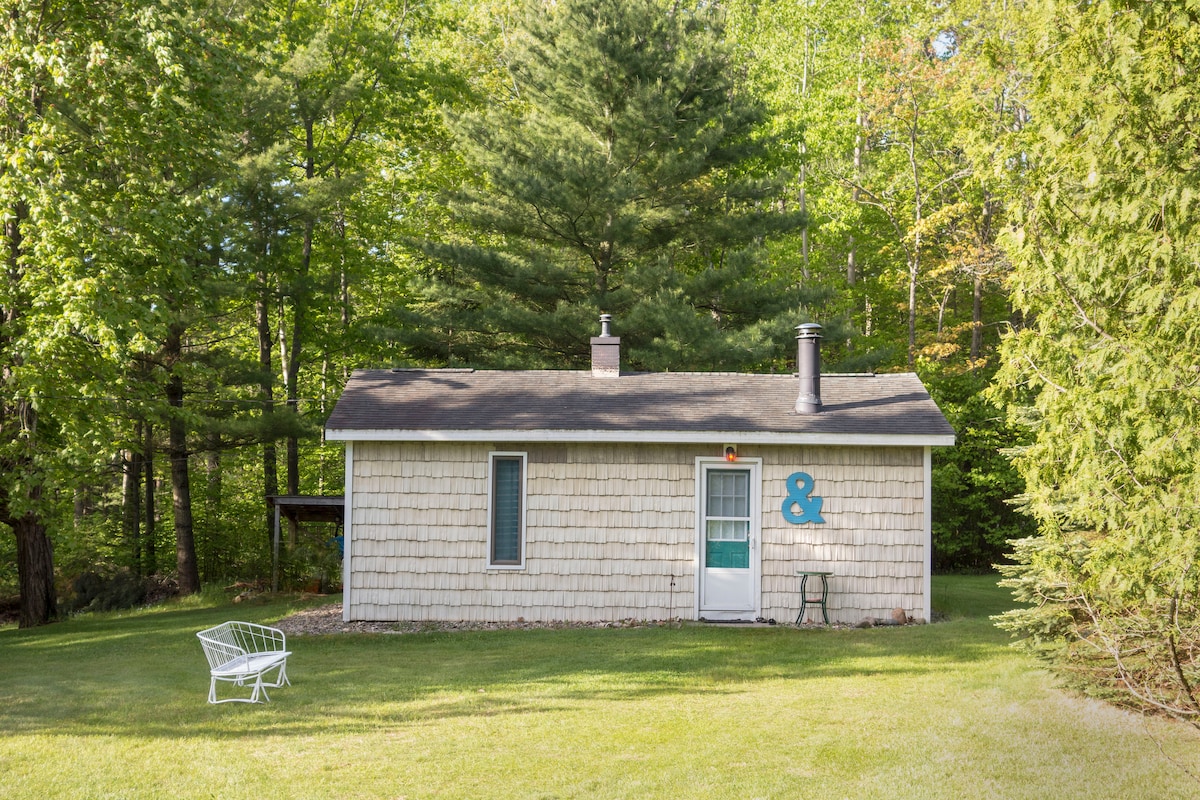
(491,519)
(927,583)
(348,536)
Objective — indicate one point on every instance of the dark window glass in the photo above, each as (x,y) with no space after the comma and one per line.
(506,510)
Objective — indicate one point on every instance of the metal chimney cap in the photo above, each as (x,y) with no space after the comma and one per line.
(808,330)
(605,321)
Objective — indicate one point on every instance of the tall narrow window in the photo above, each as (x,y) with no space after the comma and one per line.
(507,510)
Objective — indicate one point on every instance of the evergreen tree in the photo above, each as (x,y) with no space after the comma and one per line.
(1105,259)
(618,177)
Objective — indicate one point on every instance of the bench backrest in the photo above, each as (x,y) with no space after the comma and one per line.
(231,640)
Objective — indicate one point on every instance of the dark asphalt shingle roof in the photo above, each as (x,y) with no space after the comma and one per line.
(397,403)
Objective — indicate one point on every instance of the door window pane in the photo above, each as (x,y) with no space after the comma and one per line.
(728,493)
(728,530)
(727,519)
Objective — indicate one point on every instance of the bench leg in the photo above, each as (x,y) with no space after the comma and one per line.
(256,690)
(281,678)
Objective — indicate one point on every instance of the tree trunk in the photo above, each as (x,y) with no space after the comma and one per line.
(299,314)
(266,392)
(914,261)
(18,419)
(803,153)
(181,492)
(860,123)
(131,503)
(913,270)
(977,318)
(293,401)
(151,551)
(212,549)
(181,501)
(35,566)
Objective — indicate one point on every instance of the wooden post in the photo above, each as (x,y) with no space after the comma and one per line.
(275,554)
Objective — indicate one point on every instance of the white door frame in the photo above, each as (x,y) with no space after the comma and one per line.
(754,465)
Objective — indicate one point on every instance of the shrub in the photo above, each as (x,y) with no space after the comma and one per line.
(105,588)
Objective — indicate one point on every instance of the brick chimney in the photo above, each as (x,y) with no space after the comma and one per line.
(808,364)
(606,351)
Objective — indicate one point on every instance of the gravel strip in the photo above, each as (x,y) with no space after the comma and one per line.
(328,619)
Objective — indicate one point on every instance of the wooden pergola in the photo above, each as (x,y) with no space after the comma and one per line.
(302,508)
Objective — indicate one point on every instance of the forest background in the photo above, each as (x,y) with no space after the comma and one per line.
(214,212)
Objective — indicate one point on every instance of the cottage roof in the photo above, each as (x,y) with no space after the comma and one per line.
(692,407)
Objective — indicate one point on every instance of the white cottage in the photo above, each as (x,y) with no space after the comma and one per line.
(603,495)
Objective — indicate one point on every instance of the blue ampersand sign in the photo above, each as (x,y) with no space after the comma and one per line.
(800,488)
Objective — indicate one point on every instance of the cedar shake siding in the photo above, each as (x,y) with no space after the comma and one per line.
(611,531)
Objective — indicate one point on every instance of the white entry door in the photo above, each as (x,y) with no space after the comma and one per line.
(728,502)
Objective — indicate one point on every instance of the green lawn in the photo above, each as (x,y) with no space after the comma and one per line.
(114,706)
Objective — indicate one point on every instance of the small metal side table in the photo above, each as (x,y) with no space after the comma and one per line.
(807,600)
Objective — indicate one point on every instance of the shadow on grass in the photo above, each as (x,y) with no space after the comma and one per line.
(145,676)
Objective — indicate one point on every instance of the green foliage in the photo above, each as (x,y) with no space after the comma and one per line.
(974,482)
(9,587)
(1105,253)
(83,544)
(315,563)
(616,177)
(105,589)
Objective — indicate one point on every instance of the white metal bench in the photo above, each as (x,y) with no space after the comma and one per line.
(239,652)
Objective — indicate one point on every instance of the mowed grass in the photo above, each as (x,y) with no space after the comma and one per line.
(114,706)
